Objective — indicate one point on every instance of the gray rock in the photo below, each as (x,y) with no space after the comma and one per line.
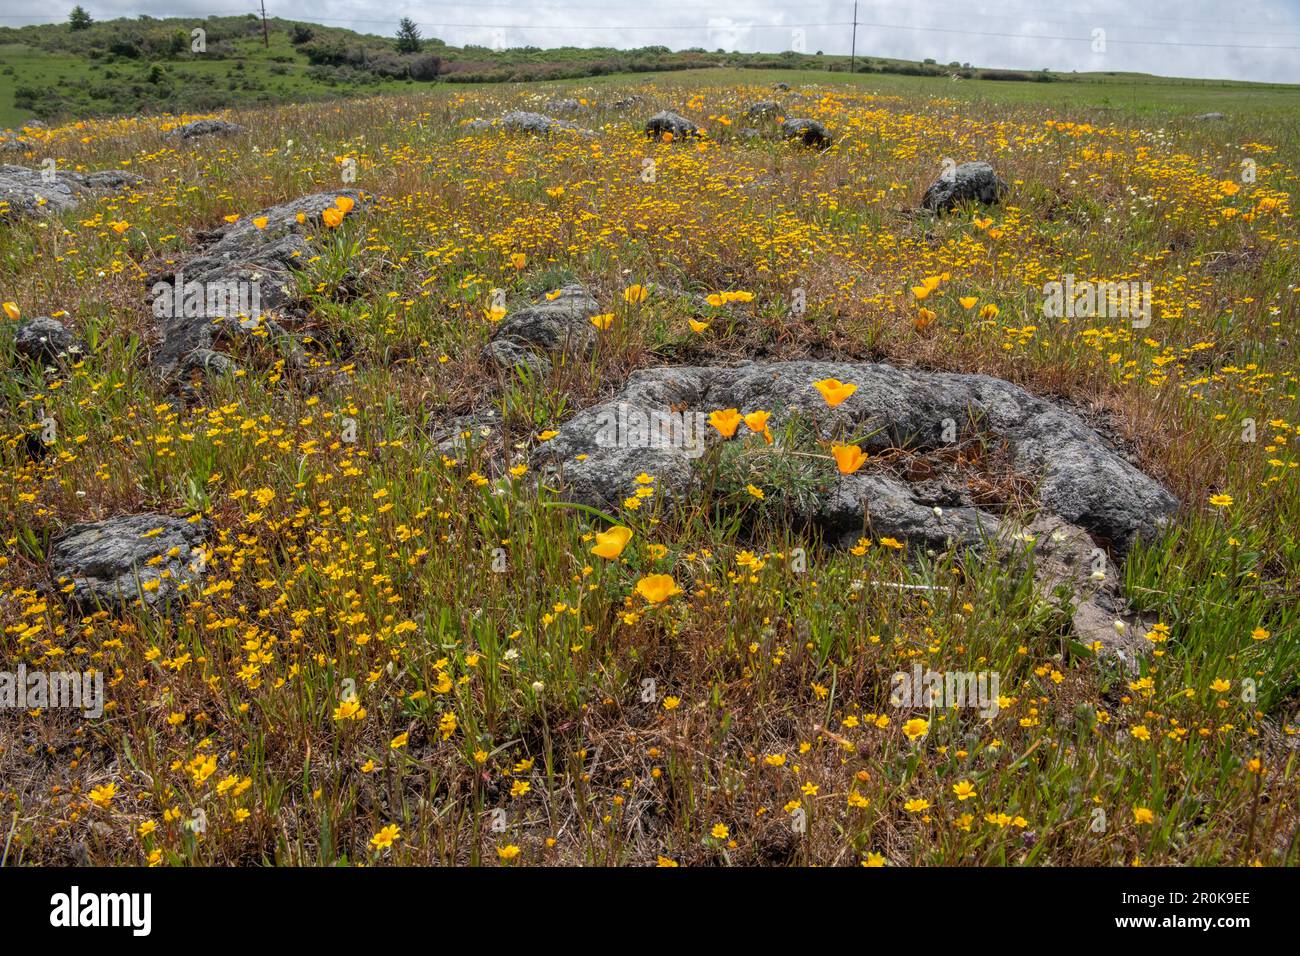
(808,131)
(967,182)
(509,355)
(669,122)
(558,325)
(43,339)
(564,105)
(28,192)
(627,102)
(1080,478)
(242,271)
(763,110)
(781,87)
(208,362)
(107,562)
(207,127)
(894,511)
(520,121)
(1209,116)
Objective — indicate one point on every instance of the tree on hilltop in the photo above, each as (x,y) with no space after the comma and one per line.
(408,36)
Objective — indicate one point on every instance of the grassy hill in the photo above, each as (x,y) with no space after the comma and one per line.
(147,65)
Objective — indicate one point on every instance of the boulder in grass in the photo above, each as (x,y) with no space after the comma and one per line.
(537,124)
(207,127)
(764,109)
(39,193)
(560,324)
(810,132)
(1079,477)
(241,274)
(969,182)
(670,123)
(110,562)
(44,340)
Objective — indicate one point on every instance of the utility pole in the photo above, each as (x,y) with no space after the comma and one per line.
(853,55)
(266,39)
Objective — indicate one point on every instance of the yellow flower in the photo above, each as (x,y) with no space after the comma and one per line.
(755,491)
(399,741)
(892,543)
(720,831)
(12,310)
(332,217)
(989,311)
(968,301)
(602,321)
(508,852)
(657,588)
(344,204)
(666,862)
(696,326)
(916,728)
(834,391)
(916,805)
(610,544)
(260,222)
(1142,816)
(350,709)
(1221,501)
(726,421)
(964,790)
(874,859)
(924,318)
(385,837)
(672,703)
(518,260)
(1259,634)
(634,294)
(848,458)
(103,796)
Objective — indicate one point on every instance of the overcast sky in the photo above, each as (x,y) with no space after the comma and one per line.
(1247,40)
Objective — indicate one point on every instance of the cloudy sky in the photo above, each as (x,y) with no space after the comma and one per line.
(1245,39)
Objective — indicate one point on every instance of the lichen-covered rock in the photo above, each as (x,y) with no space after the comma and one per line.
(508,356)
(965,183)
(560,325)
(36,192)
(108,562)
(43,339)
(763,109)
(1080,478)
(521,121)
(810,132)
(243,273)
(207,127)
(669,122)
